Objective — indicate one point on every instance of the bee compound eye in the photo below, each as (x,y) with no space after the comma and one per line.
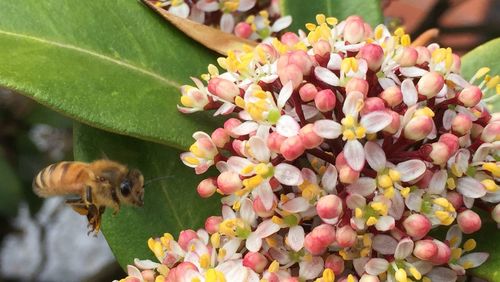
(125,187)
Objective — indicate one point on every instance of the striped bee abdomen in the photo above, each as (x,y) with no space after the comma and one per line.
(62,178)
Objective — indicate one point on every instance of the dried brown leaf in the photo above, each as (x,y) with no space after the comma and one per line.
(209,37)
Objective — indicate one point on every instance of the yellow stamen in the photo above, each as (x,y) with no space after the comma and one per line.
(320,18)
(384,181)
(426,111)
(467,265)
(328,275)
(415,273)
(215,240)
(274,267)
(493,168)
(213,275)
(205,261)
(405,192)
(331,21)
(380,207)
(358,213)
(456,253)
(277,220)
(371,221)
(350,278)
(389,192)
(469,245)
(310,26)
(401,275)
(394,175)
(451,183)
(490,185)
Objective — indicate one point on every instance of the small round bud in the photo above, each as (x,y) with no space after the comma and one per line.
(439,153)
(443,253)
(290,38)
(260,210)
(325,100)
(392,96)
(346,174)
(417,225)
(469,221)
(223,88)
(425,249)
(335,263)
(230,124)
(470,96)
(354,30)
(274,141)
(455,199)
(461,125)
(408,57)
(495,213)
(185,237)
(491,132)
(207,187)
(451,141)
(302,60)
(148,275)
(329,207)
(220,137)
(243,30)
(229,182)
(256,261)
(424,55)
(291,73)
(430,84)
(372,104)
(357,84)
(292,148)
(322,48)
(373,55)
(418,128)
(309,138)
(212,224)
(393,127)
(307,92)
(369,278)
(346,236)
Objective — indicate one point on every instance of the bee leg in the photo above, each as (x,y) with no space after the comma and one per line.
(88,195)
(78,205)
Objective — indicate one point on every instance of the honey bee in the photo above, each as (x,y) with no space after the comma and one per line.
(99,184)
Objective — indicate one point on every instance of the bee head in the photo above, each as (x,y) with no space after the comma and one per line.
(132,187)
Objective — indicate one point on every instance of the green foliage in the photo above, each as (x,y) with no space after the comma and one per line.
(10,189)
(171,205)
(111,64)
(305,12)
(486,55)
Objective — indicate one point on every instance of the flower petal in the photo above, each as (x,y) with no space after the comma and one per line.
(287,126)
(454,235)
(146,264)
(376,266)
(355,201)
(310,269)
(296,237)
(474,259)
(410,95)
(327,76)
(259,149)
(329,179)
(227,23)
(384,244)
(296,205)
(326,128)
(288,174)
(375,156)
(404,248)
(364,186)
(412,71)
(470,187)
(246,5)
(442,274)
(285,94)
(438,182)
(354,154)
(207,5)
(385,223)
(353,104)
(245,128)
(411,170)
(376,121)
(335,61)
(281,23)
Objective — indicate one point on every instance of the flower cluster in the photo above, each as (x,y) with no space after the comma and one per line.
(249,19)
(343,149)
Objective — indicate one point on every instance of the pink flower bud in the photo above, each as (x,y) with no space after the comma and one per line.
(325,233)
(456,65)
(230,124)
(417,225)
(372,104)
(290,39)
(312,245)
(346,174)
(309,138)
(425,249)
(373,55)
(393,127)
(307,92)
(329,207)
(495,213)
(179,272)
(430,84)
(185,237)
(443,253)
(451,142)
(302,60)
(243,30)
(357,84)
(418,128)
(369,278)
(292,148)
(408,57)
(260,210)
(469,221)
(470,96)
(424,55)
(461,125)
(291,73)
(322,48)
(229,182)
(148,275)
(392,96)
(439,153)
(346,236)
(256,261)
(455,199)
(223,88)
(354,30)
(274,141)
(206,188)
(325,100)
(335,263)
(212,224)
(220,137)
(491,132)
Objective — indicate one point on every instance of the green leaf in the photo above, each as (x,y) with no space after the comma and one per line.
(171,205)
(486,55)
(112,64)
(10,189)
(303,12)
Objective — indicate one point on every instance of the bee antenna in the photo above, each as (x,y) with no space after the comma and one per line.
(156,179)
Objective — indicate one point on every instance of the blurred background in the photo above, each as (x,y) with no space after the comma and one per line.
(46,241)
